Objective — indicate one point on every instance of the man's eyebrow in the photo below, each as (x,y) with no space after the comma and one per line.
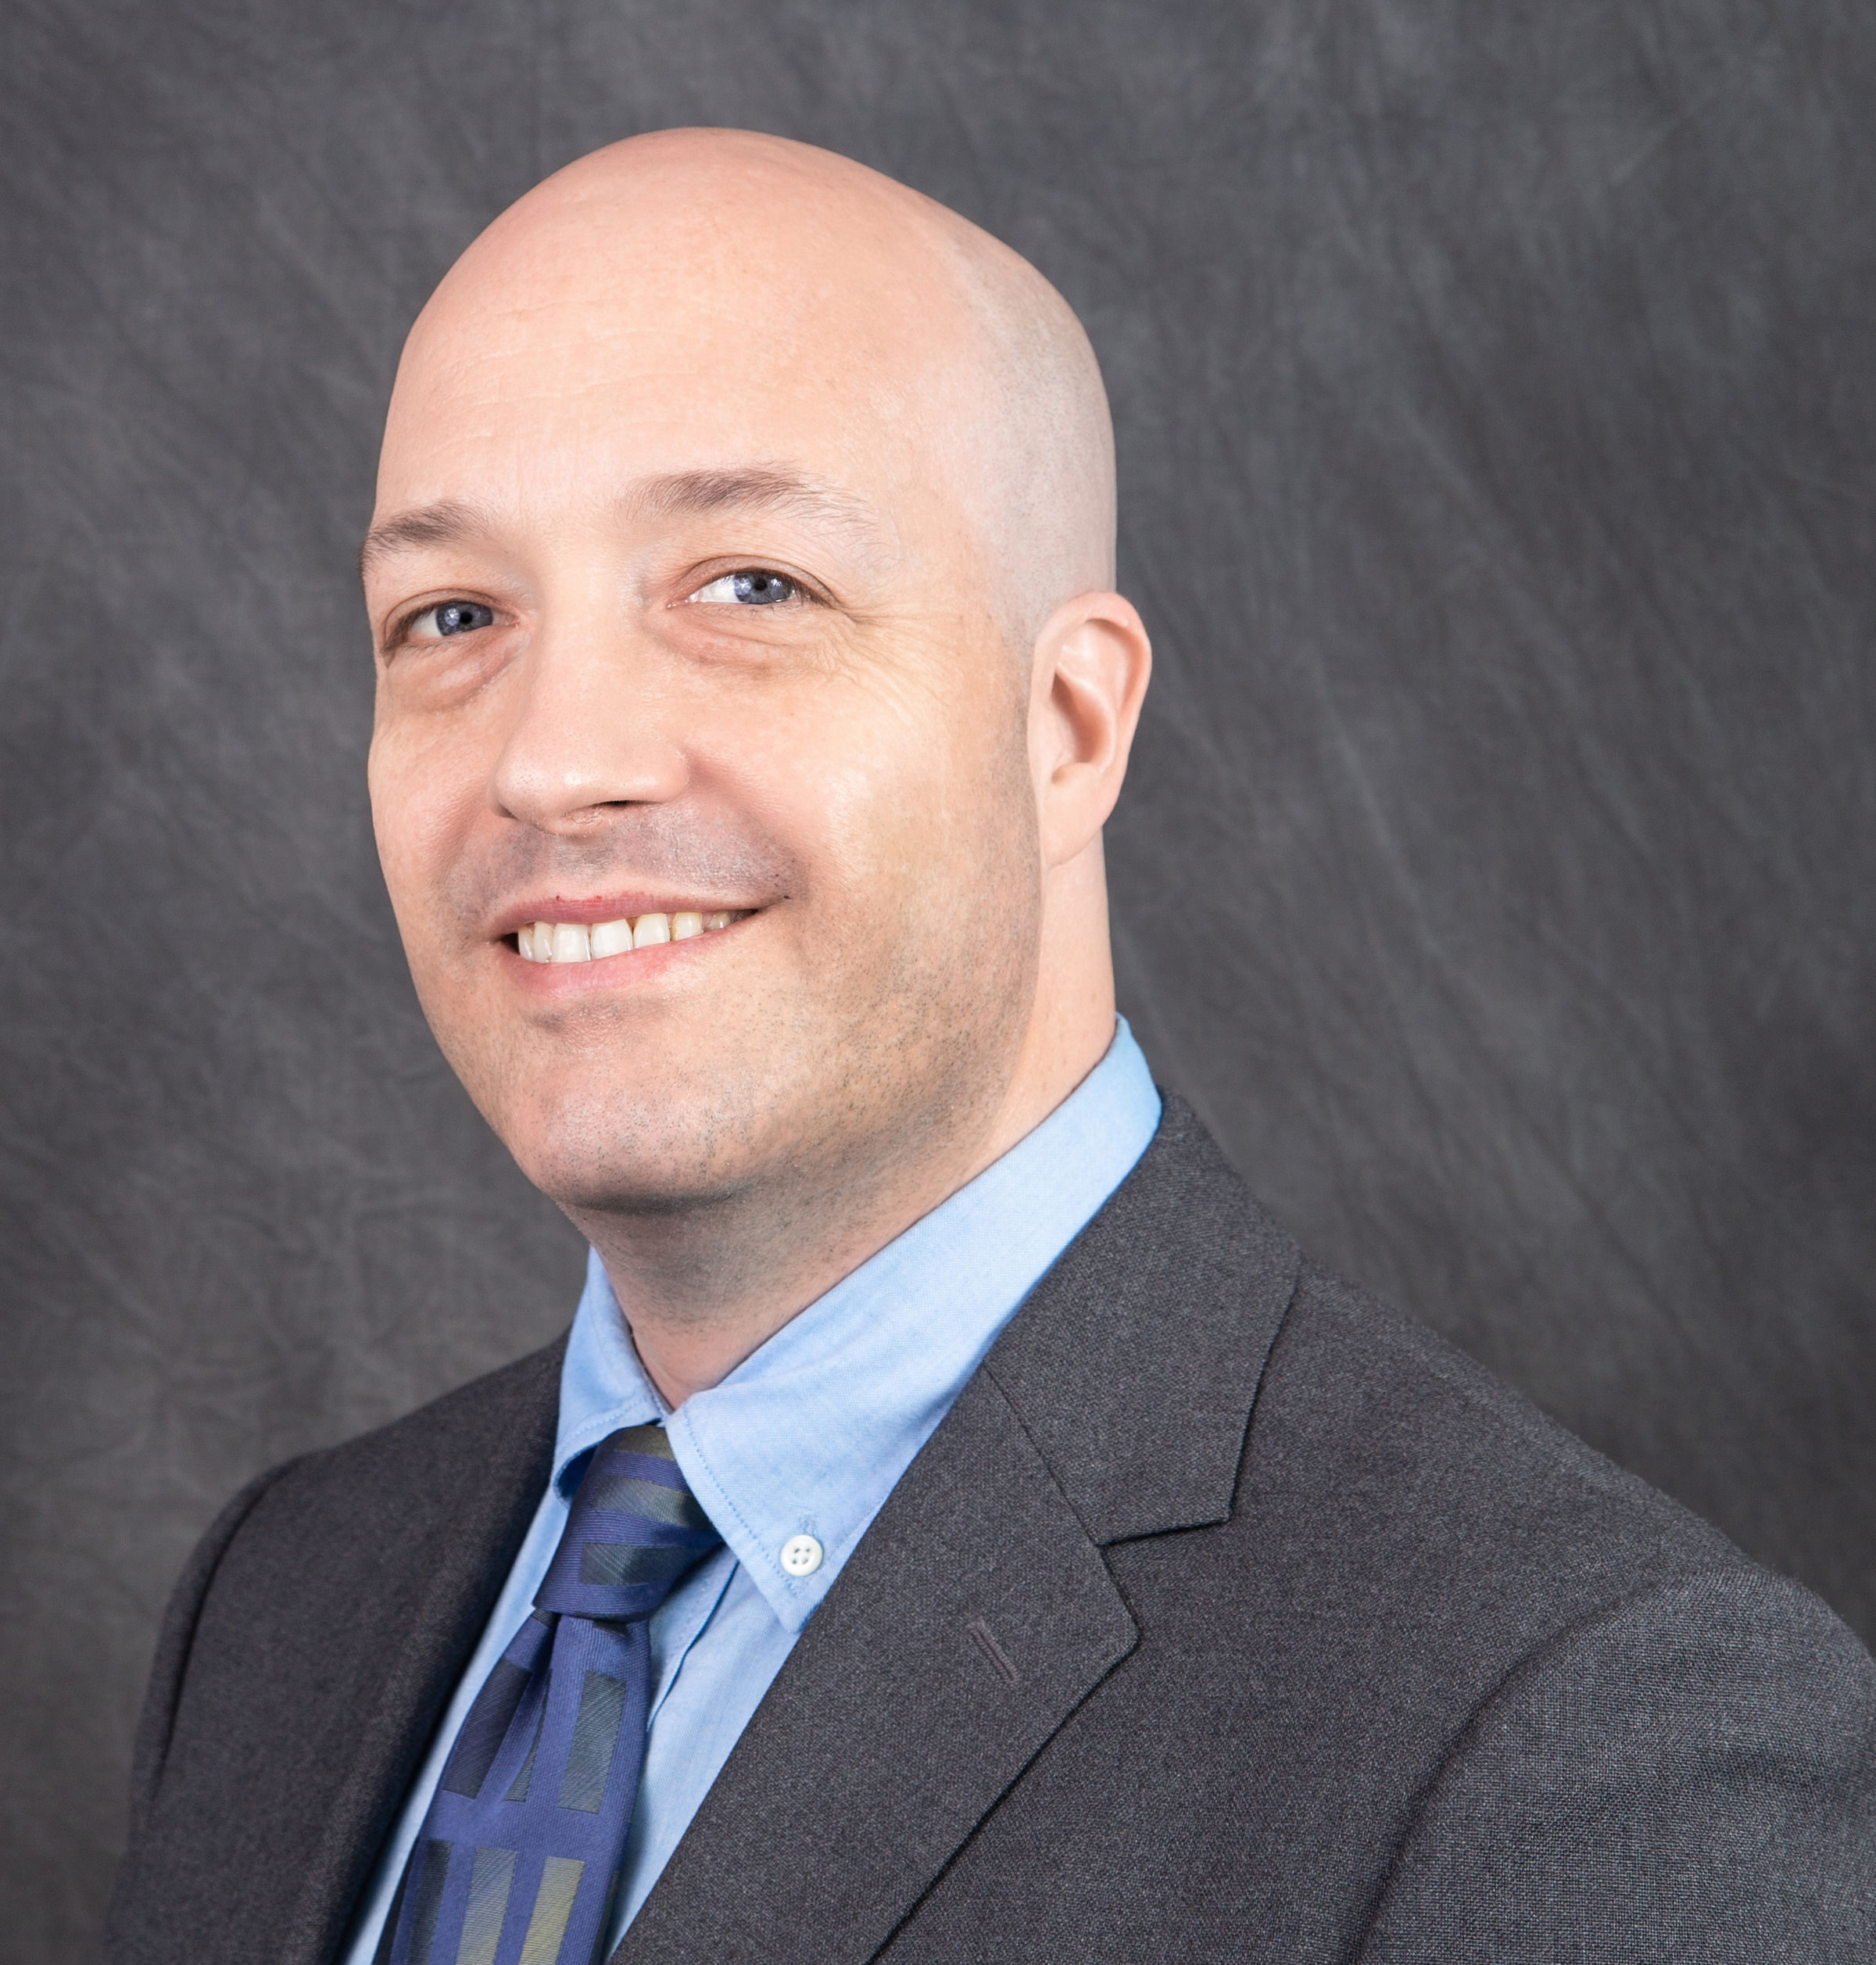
(775,488)
(442,524)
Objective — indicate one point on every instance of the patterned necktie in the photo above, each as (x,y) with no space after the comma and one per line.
(517,1861)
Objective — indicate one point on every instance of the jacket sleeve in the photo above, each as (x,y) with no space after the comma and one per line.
(1690,1775)
(167,1672)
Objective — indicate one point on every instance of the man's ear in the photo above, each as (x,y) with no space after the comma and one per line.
(1091,663)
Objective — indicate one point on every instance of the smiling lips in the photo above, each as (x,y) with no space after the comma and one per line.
(560,941)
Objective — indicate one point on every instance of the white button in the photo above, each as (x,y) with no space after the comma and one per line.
(801,1555)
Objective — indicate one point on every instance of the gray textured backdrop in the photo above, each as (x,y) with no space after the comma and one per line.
(1496,402)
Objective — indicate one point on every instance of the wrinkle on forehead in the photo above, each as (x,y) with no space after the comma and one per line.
(776,488)
(784,268)
(761,487)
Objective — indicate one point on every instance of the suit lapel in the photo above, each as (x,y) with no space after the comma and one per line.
(973,1618)
(1135,1361)
(978,1612)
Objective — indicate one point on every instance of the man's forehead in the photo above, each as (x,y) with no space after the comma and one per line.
(819,416)
(777,488)
(683,309)
(579,306)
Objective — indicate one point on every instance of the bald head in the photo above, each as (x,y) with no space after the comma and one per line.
(898,326)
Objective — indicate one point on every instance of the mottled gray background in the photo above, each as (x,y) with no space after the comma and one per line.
(1496,404)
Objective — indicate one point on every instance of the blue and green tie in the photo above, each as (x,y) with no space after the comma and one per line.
(517,1861)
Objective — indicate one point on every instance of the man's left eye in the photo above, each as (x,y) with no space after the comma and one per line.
(452,618)
(755,588)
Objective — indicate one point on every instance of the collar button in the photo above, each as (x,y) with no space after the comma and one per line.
(801,1555)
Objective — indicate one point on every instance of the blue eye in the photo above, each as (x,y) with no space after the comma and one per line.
(452,618)
(459,616)
(756,588)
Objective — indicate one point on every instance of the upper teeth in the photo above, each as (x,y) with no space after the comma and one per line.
(563,941)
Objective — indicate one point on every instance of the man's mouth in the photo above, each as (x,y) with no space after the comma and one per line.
(563,941)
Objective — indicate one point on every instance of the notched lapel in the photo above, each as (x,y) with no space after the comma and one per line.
(1135,1363)
(971,1620)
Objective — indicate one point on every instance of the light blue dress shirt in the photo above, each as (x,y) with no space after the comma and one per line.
(808,1436)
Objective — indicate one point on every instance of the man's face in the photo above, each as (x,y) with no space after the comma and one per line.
(680,613)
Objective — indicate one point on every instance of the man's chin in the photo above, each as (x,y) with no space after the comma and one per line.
(634,1152)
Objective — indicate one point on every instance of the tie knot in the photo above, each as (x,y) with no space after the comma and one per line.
(632,1531)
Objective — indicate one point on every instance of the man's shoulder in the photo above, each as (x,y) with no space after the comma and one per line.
(1419,1540)
(324,1526)
(1593,1691)
(1370,1467)
(1393,1431)
(1411,1663)
(1359,1422)
(350,1581)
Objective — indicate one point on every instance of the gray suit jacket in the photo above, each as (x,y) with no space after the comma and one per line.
(1227,1615)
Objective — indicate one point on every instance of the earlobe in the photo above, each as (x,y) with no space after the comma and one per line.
(1093,661)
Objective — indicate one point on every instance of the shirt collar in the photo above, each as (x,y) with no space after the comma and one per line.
(811,1433)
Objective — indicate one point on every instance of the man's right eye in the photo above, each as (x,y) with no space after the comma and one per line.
(451,618)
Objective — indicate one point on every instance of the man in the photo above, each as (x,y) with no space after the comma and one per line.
(959,1525)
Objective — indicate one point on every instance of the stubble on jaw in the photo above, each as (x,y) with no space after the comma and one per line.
(861,1104)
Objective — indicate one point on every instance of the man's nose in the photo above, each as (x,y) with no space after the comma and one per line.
(592,725)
